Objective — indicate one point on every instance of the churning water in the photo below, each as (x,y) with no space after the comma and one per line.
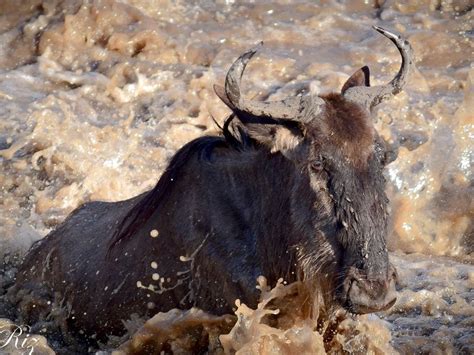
(96,96)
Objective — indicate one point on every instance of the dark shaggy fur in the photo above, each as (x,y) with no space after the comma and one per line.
(269,197)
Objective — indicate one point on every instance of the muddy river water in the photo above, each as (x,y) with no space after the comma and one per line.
(97,95)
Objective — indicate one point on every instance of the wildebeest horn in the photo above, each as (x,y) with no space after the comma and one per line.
(372,96)
(294,108)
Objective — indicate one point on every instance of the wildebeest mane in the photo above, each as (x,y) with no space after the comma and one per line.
(234,136)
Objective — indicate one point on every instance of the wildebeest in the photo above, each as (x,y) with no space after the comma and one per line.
(292,189)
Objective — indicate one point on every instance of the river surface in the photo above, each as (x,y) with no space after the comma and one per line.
(96,96)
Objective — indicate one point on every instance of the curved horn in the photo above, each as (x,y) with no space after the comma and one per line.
(291,108)
(372,96)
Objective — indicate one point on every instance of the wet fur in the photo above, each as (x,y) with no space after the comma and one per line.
(237,206)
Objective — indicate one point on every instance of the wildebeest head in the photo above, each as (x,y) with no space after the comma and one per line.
(338,202)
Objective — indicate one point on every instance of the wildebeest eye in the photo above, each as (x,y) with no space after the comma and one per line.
(317,165)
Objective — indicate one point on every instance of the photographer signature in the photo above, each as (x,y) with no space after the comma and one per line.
(18,337)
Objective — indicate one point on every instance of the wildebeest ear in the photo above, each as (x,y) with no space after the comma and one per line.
(286,140)
(360,78)
(279,137)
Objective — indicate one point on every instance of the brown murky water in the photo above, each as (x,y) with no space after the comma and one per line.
(95,96)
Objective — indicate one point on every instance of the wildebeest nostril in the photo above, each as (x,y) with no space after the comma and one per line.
(370,295)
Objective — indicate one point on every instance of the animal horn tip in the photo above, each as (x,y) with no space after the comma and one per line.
(382,30)
(254,50)
(386,33)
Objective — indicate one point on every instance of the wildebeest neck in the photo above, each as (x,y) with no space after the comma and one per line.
(145,207)
(249,185)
